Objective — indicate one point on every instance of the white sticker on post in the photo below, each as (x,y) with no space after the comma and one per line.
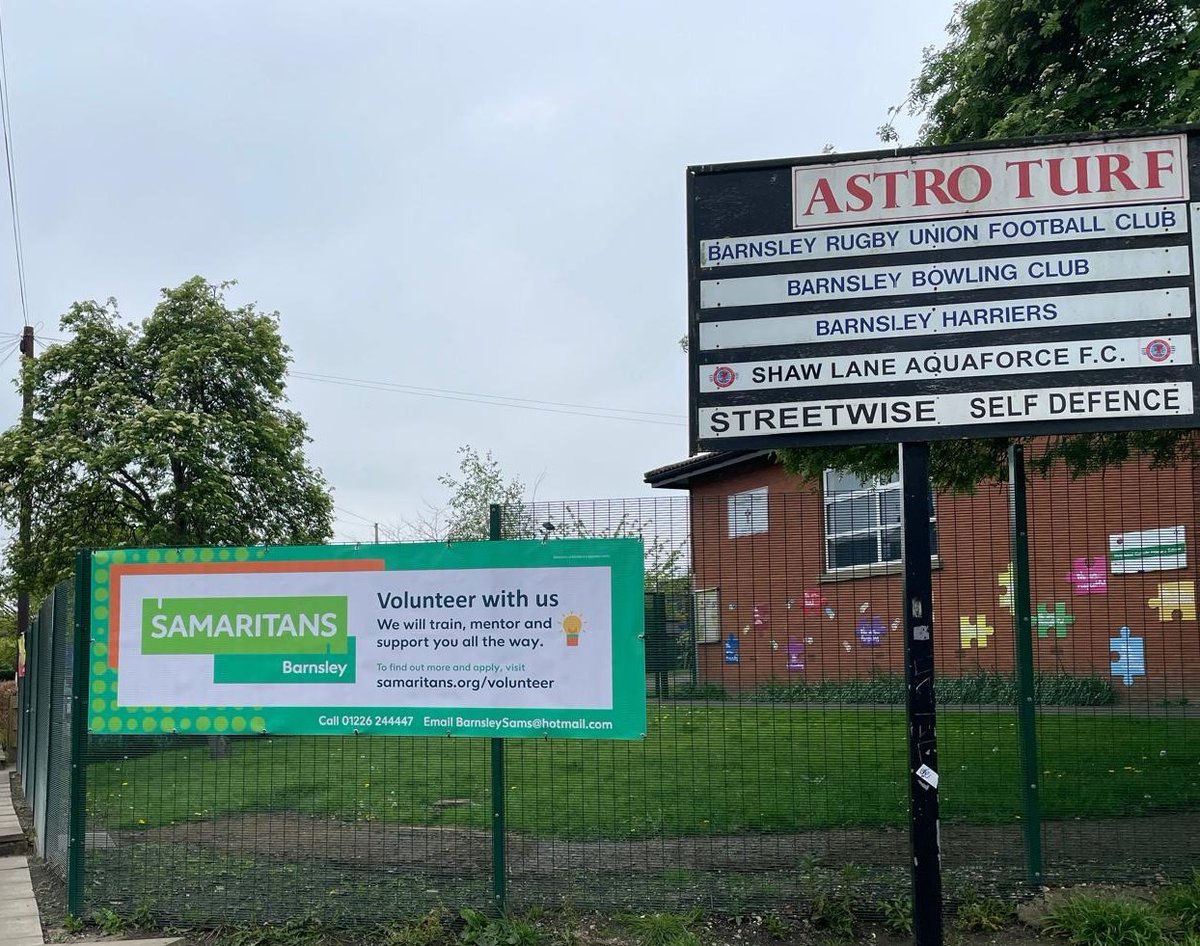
(928,776)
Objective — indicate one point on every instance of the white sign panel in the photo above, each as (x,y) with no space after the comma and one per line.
(1154,550)
(1011,314)
(933,410)
(1100,224)
(975,362)
(957,276)
(1140,170)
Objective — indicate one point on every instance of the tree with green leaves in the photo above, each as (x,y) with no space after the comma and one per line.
(172,432)
(478,484)
(1034,67)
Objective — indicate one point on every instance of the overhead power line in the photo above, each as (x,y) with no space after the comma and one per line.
(474,397)
(10,161)
(498,400)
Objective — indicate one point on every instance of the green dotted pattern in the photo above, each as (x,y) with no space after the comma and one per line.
(104,716)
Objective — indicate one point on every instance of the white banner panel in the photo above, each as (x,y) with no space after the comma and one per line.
(1095,174)
(1040,312)
(982,361)
(934,236)
(1170,398)
(963,275)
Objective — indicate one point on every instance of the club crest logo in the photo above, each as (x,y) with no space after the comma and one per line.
(724,376)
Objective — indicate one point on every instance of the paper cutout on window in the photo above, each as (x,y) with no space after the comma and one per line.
(895,625)
(830,613)
(864,607)
(774,645)
(1058,620)
(1131,654)
(795,656)
(870,631)
(813,599)
(732,650)
(974,632)
(846,646)
(1089,579)
(761,616)
(1005,580)
(1175,597)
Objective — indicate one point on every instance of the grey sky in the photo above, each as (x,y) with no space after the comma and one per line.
(473,196)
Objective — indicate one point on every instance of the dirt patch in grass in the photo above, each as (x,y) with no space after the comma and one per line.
(1075,847)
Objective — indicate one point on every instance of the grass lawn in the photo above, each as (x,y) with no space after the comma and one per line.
(718,769)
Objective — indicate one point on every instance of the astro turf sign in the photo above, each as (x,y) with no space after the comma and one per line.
(473,639)
(968,291)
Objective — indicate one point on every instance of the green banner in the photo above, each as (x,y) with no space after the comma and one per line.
(512,639)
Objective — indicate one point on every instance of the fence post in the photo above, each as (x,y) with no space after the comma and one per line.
(499,867)
(77,812)
(1023,635)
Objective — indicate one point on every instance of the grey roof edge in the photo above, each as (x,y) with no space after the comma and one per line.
(680,475)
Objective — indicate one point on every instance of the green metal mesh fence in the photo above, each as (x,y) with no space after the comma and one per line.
(44,752)
(774,768)
(54,848)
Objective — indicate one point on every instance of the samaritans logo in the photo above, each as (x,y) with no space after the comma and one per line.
(245,625)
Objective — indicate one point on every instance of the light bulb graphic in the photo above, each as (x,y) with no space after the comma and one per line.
(572,624)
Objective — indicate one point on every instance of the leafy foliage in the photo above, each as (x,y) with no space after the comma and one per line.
(1032,67)
(482,930)
(834,912)
(479,483)
(898,915)
(174,432)
(1098,920)
(8,638)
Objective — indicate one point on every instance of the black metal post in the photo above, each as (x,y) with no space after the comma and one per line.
(499,865)
(1018,525)
(918,672)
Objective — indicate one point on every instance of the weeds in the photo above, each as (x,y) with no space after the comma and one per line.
(73,924)
(834,912)
(291,933)
(1181,903)
(898,916)
(427,930)
(1092,920)
(479,929)
(775,925)
(982,915)
(111,923)
(663,929)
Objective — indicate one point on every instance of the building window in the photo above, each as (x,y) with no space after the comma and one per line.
(707,615)
(862,521)
(748,513)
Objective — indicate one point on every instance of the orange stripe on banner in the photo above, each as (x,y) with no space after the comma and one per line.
(117,572)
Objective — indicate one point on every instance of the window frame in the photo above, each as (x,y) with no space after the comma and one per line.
(875,491)
(706,610)
(752,524)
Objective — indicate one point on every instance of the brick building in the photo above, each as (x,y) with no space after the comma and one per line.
(793,582)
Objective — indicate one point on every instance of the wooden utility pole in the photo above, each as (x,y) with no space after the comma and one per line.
(25,524)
